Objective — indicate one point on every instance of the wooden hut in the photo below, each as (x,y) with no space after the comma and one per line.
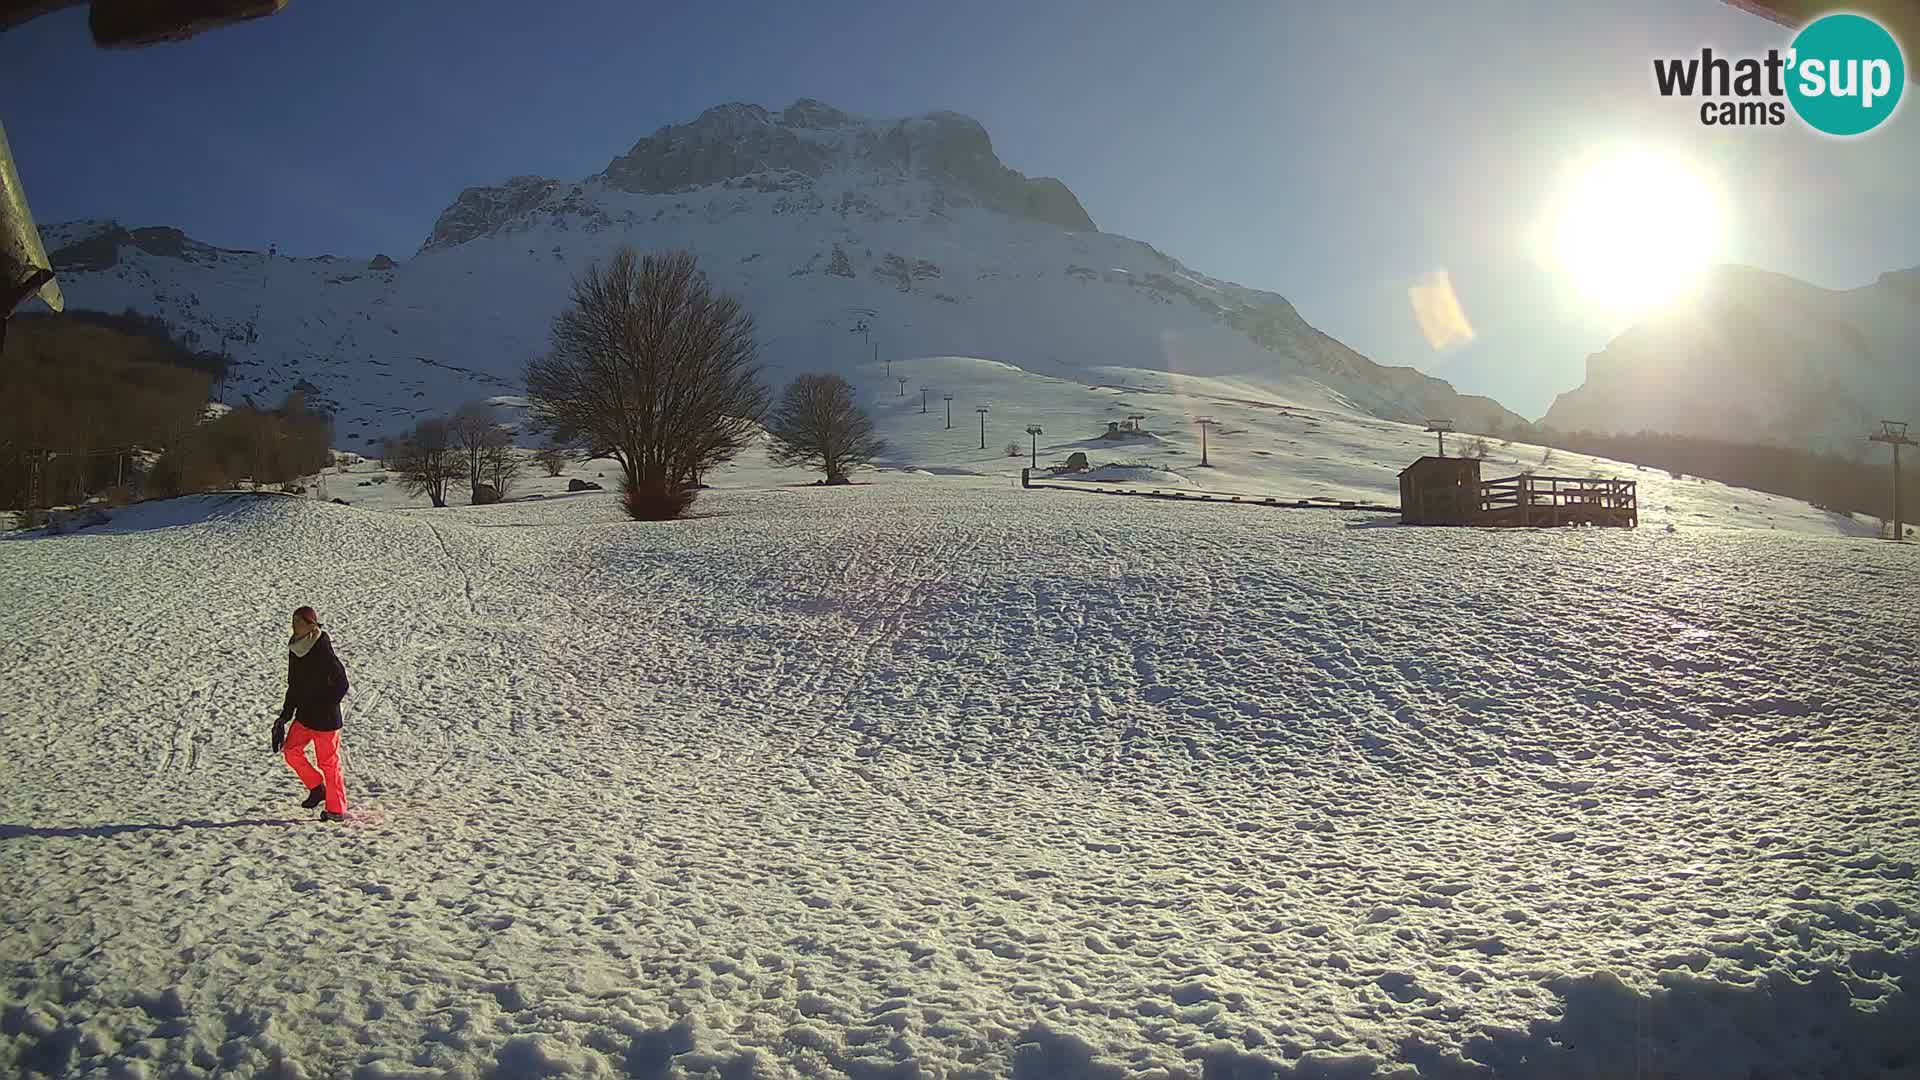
(1449,491)
(1440,491)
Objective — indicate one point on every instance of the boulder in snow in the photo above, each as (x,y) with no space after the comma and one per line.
(66,521)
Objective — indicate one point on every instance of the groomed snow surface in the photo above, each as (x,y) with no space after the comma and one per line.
(937,777)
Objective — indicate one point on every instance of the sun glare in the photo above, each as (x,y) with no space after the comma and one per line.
(1636,229)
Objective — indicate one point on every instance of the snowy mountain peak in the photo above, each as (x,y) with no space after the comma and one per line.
(810,139)
(1902,281)
(94,245)
(810,113)
(734,116)
(823,222)
(934,161)
(480,210)
(1754,354)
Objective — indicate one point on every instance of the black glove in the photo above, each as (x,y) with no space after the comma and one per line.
(279,734)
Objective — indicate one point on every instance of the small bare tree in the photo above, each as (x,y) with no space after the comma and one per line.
(553,459)
(500,466)
(1012,449)
(426,460)
(654,368)
(486,450)
(817,425)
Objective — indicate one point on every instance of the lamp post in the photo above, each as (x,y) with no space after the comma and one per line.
(948,398)
(1894,433)
(1205,422)
(902,380)
(923,401)
(1033,433)
(866,335)
(983,410)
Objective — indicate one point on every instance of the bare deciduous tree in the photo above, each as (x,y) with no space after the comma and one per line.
(500,466)
(486,450)
(817,425)
(426,460)
(553,459)
(654,368)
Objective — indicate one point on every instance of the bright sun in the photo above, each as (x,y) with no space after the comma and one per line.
(1636,229)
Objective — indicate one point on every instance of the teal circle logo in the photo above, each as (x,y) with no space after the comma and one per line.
(1846,74)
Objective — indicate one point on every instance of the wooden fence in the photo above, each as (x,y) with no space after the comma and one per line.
(1545,501)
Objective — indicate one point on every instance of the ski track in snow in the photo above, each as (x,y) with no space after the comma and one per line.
(936,777)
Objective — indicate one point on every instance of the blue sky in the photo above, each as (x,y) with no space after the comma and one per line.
(1334,153)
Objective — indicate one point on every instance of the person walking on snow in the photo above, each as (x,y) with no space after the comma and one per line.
(315,684)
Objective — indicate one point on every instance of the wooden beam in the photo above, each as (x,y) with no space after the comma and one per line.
(15,12)
(133,24)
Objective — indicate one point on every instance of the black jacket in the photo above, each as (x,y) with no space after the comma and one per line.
(315,684)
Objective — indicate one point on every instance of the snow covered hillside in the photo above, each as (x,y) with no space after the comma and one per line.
(1761,357)
(1297,444)
(823,222)
(937,777)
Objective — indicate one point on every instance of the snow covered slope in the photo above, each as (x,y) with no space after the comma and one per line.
(937,777)
(1756,356)
(1293,445)
(821,221)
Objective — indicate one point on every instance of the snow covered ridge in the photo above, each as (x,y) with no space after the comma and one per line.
(1761,356)
(822,222)
(942,778)
(745,145)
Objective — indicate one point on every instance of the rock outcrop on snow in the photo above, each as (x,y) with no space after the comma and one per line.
(99,247)
(810,139)
(480,210)
(726,142)
(73,520)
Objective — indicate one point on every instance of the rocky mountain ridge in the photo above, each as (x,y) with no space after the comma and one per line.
(743,145)
(1755,356)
